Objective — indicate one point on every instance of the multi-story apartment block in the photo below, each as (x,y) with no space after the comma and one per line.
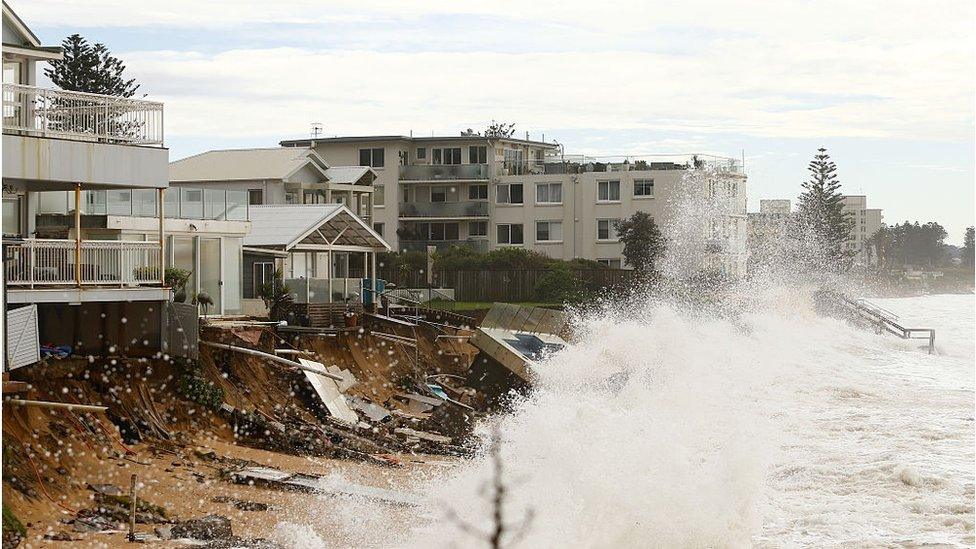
(491,193)
(867,221)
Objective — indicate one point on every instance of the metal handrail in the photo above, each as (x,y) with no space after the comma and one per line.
(51,262)
(81,116)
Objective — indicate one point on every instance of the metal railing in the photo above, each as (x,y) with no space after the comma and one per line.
(574,164)
(437,172)
(42,262)
(81,116)
(444,209)
(479,245)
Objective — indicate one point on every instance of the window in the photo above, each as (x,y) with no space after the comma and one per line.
(312,197)
(255,197)
(644,188)
(608,191)
(549,193)
(447,155)
(478,192)
(421,153)
(612,263)
(510,234)
(263,274)
(11,216)
(477,228)
(605,229)
(291,198)
(378,227)
(438,194)
(374,158)
(549,231)
(441,231)
(478,155)
(379,195)
(509,193)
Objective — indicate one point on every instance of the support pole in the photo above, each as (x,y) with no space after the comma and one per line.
(272,358)
(162,237)
(132,507)
(373,288)
(78,234)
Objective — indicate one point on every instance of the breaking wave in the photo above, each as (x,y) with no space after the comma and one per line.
(672,426)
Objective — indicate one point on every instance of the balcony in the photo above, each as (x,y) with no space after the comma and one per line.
(576,164)
(78,116)
(114,263)
(444,172)
(443,210)
(479,245)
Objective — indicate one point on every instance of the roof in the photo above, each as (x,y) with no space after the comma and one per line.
(289,225)
(243,164)
(348,175)
(308,142)
(29,45)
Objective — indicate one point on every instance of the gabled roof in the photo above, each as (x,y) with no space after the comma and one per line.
(289,225)
(351,175)
(245,164)
(28,45)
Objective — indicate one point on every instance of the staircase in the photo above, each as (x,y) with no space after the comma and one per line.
(881,319)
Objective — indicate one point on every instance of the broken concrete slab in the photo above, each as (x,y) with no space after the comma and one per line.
(422,435)
(328,390)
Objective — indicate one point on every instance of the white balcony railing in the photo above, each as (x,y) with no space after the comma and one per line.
(81,116)
(42,262)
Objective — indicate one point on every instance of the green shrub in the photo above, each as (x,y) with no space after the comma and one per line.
(196,388)
(557,285)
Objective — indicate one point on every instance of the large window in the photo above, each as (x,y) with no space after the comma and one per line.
(548,193)
(451,155)
(11,216)
(509,193)
(477,228)
(441,231)
(263,273)
(549,231)
(421,153)
(439,194)
(608,191)
(378,227)
(605,229)
(644,188)
(478,192)
(374,158)
(510,233)
(255,197)
(478,155)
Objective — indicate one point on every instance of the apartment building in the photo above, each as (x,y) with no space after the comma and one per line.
(74,288)
(445,191)
(867,221)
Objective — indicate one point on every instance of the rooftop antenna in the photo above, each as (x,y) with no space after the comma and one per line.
(316,129)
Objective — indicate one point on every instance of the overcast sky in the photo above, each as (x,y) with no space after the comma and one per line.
(887,87)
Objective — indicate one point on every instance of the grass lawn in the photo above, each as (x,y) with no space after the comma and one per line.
(475,305)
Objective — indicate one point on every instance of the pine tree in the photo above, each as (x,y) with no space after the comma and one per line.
(89,68)
(821,216)
(642,242)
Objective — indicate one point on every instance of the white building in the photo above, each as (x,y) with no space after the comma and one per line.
(85,287)
(867,221)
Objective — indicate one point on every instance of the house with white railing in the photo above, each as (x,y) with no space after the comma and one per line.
(93,279)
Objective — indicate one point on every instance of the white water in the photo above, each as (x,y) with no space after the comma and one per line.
(781,428)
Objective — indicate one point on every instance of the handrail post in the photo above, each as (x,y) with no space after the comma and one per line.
(78,234)
(162,237)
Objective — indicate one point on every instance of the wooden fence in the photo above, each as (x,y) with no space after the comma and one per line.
(504,285)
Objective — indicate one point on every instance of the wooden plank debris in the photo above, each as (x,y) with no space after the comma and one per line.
(329,391)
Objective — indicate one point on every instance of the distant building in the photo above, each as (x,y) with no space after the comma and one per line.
(490,194)
(867,221)
(766,229)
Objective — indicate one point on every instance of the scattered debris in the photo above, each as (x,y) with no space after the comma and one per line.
(412,433)
(330,391)
(209,527)
(281,480)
